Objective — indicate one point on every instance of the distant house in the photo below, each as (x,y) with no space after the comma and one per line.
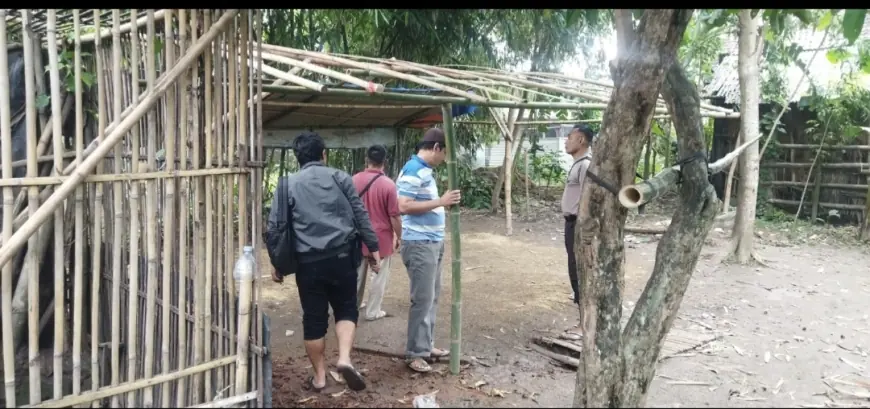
(553,140)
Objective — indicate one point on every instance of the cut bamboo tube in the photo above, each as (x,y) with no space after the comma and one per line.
(244,319)
(456,248)
(150,215)
(133,297)
(97,235)
(8,205)
(78,280)
(208,118)
(134,386)
(169,129)
(29,227)
(118,211)
(58,148)
(32,204)
(199,204)
(183,195)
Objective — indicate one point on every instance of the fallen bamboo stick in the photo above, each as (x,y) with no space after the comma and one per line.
(644,230)
(558,342)
(40,215)
(563,359)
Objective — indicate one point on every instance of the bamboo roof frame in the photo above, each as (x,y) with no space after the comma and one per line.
(310,89)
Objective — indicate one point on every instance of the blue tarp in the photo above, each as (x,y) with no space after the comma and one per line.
(458,110)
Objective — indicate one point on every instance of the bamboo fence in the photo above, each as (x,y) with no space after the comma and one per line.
(139,156)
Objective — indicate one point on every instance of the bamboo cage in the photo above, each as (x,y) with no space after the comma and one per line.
(129,162)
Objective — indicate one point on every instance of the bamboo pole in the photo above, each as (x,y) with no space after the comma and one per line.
(526,171)
(294,104)
(169,198)
(199,204)
(221,243)
(456,248)
(150,215)
(258,198)
(78,280)
(232,141)
(97,235)
(244,329)
(32,204)
(8,205)
(208,118)
(371,87)
(29,227)
(184,209)
(58,148)
(118,210)
(301,81)
(817,193)
(133,298)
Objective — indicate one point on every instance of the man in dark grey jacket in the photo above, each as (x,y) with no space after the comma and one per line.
(327,217)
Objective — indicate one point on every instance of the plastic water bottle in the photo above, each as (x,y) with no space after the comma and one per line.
(425,401)
(246,265)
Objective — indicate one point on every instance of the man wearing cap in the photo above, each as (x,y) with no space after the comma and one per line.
(578,145)
(422,245)
(378,194)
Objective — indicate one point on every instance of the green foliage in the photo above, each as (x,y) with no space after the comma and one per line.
(546,168)
(476,189)
(838,117)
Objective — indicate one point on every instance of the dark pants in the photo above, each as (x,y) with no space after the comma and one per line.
(325,283)
(570,222)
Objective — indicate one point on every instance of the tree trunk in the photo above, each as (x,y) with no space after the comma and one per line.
(646,158)
(605,377)
(504,177)
(743,235)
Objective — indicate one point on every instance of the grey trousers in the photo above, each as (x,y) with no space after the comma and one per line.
(422,259)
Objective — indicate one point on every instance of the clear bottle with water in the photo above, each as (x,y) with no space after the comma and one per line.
(425,401)
(246,265)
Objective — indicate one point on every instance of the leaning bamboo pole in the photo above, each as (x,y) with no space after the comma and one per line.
(133,298)
(456,247)
(31,270)
(78,269)
(118,210)
(97,235)
(183,195)
(39,217)
(209,207)
(150,215)
(8,205)
(169,204)
(58,148)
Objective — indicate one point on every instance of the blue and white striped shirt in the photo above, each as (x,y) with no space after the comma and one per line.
(416,181)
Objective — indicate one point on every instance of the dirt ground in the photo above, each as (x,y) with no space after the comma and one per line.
(794,333)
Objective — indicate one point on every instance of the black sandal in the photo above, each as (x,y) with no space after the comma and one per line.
(352,377)
(313,387)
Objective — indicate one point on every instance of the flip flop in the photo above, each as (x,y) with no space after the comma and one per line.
(379,315)
(439,353)
(419,365)
(313,387)
(353,378)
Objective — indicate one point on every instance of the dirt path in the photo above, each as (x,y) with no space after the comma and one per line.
(785,328)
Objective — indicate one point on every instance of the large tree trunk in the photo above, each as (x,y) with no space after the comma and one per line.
(743,235)
(605,377)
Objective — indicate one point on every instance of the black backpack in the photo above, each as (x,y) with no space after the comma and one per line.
(279,236)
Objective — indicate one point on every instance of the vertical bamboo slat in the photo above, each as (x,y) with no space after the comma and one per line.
(133,306)
(117,208)
(183,194)
(456,248)
(199,205)
(8,206)
(32,204)
(78,280)
(150,215)
(57,150)
(231,211)
(169,128)
(97,270)
(258,185)
(220,108)
(208,121)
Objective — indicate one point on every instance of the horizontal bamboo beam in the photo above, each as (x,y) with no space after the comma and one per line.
(291,104)
(825,147)
(227,402)
(798,165)
(123,177)
(837,206)
(106,392)
(105,33)
(549,122)
(19,238)
(845,186)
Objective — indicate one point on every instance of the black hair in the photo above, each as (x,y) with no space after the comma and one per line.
(425,146)
(308,147)
(586,131)
(376,155)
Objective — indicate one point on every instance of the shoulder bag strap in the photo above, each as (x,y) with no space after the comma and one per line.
(366,188)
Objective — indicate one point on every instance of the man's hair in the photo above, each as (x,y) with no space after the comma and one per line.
(430,138)
(308,147)
(586,131)
(376,155)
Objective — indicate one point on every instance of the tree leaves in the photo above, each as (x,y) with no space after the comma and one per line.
(853,22)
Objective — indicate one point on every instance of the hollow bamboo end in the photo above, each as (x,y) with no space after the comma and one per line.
(630,197)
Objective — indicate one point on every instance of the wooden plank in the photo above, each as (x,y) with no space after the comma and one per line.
(333,137)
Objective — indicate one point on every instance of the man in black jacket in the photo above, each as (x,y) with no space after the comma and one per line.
(328,216)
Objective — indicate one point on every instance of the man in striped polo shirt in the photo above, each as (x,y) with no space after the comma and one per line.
(423,245)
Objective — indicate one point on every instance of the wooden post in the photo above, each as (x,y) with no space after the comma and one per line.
(526,171)
(456,248)
(817,192)
(864,234)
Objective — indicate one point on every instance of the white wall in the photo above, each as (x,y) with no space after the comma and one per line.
(493,156)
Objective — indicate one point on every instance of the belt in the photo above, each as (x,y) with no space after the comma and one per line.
(571,218)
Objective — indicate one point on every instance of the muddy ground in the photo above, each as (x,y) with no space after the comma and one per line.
(792,331)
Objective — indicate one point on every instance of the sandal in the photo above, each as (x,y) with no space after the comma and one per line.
(439,353)
(419,365)
(314,387)
(352,377)
(379,315)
